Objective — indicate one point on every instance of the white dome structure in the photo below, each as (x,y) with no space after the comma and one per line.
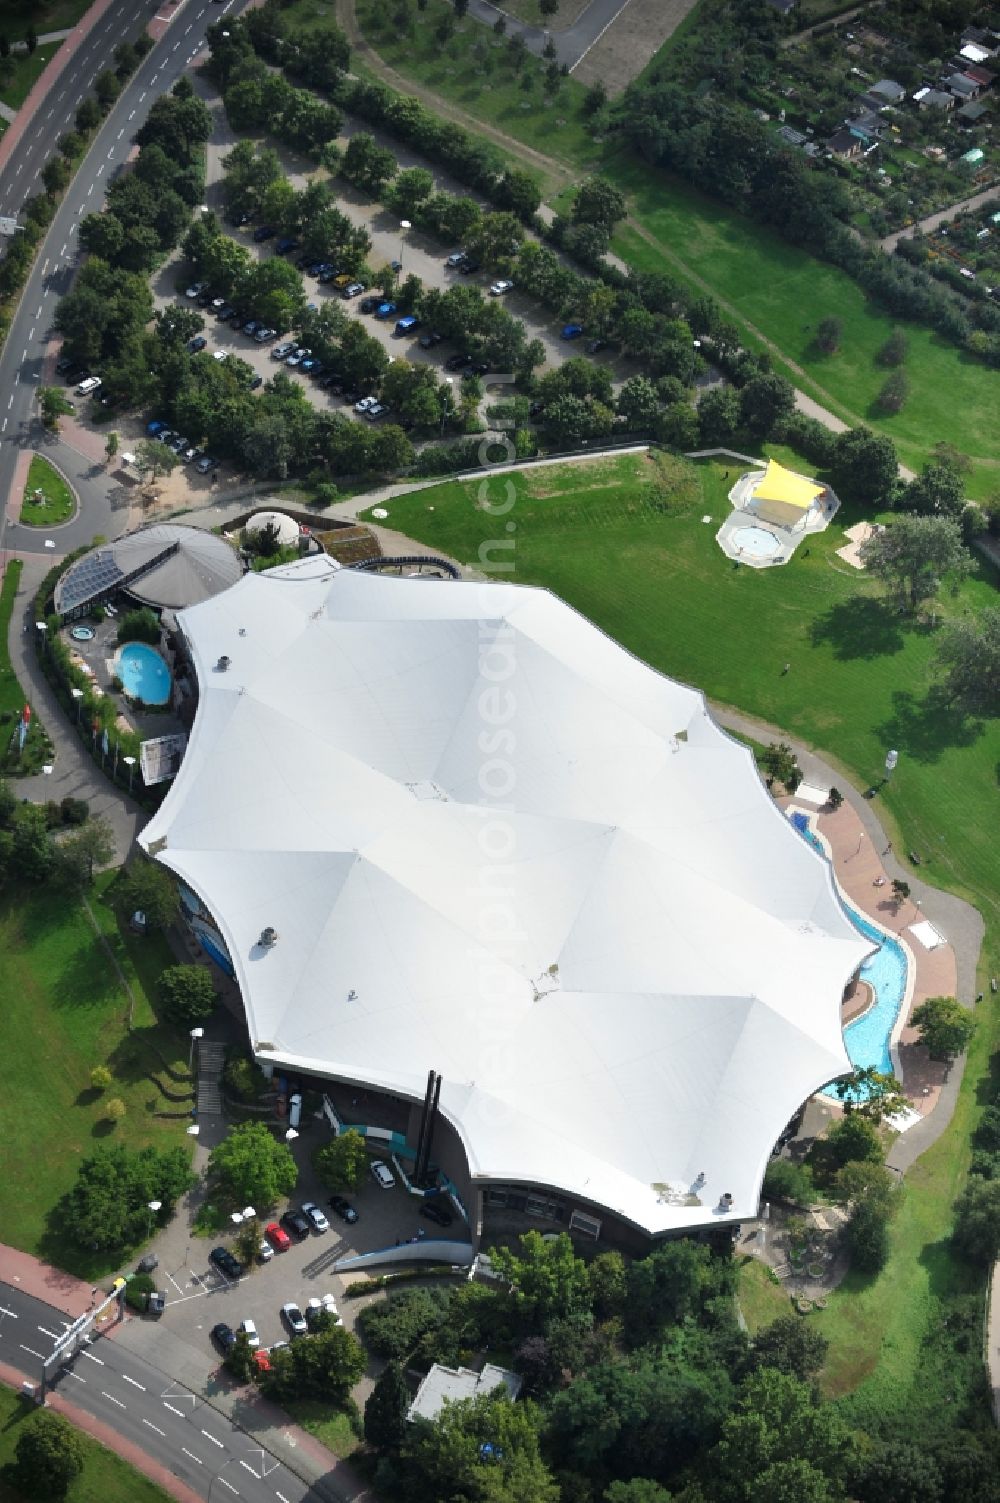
(494,844)
(287,530)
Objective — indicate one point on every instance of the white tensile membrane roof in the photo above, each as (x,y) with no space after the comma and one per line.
(494,844)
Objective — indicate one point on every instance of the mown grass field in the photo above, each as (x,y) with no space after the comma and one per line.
(785,293)
(64,1011)
(55,504)
(624,542)
(105,1477)
(11,693)
(19,72)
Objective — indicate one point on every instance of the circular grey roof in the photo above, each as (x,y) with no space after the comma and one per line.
(166,565)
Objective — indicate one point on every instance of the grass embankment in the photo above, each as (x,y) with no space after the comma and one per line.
(11,693)
(55,503)
(21,71)
(784,293)
(64,1012)
(623,541)
(762,1299)
(330,1426)
(105,1477)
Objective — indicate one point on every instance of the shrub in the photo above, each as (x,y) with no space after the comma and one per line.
(393,1329)
(100,1077)
(786,1180)
(49,1456)
(115,1109)
(140,626)
(867,1235)
(137,1291)
(854,1138)
(187,993)
(244,1079)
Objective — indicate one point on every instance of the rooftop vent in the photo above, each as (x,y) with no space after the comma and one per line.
(268,937)
(223,663)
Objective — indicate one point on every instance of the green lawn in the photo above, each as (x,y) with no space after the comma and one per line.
(105,1477)
(761,1297)
(623,541)
(330,1425)
(785,292)
(19,72)
(65,1011)
(11,693)
(55,504)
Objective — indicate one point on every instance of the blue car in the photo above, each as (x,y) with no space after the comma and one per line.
(154,428)
(385,310)
(572,331)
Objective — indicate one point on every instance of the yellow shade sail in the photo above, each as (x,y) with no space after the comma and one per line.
(785,486)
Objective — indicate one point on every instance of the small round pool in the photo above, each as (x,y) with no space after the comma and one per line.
(144,674)
(756,542)
(82,633)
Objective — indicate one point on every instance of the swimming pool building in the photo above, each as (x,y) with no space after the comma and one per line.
(451,827)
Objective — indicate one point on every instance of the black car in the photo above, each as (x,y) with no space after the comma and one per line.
(157,1303)
(369,304)
(257,381)
(73,374)
(225,313)
(148,1263)
(197,343)
(595,345)
(478,370)
(224,1337)
(265,232)
(289,243)
(429,340)
(205,296)
(468,266)
(224,1261)
(64,366)
(436,1211)
(343,1208)
(457,362)
(295,1222)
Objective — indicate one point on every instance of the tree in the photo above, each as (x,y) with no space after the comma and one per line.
(977,1220)
(93,844)
(147,888)
(829,333)
(636,1490)
(342,1162)
(778,1418)
(598,202)
(250,1167)
(547,1277)
(968,652)
(100,1077)
(410,188)
(55,174)
(854,1138)
(793,1481)
(871,1094)
(894,393)
(894,351)
(368,165)
(638,402)
(607,1284)
(945,1026)
(154,459)
(785,1179)
(107,1207)
(864,465)
(187,994)
(238,1361)
(88,114)
(49,1455)
(548,8)
(863,1179)
(326,1366)
(900,891)
(764,401)
(718,415)
(107,87)
(912,555)
(31,39)
(499,25)
(781,765)
(938,490)
(385,1409)
(115,1109)
(111,446)
(867,1236)
(789,1345)
(53,405)
(446,1458)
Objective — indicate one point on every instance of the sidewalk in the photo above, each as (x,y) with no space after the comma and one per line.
(70,1295)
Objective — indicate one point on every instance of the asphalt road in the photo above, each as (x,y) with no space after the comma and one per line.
(177,1427)
(21,358)
(121,22)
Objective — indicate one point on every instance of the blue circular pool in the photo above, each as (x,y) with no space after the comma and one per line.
(144,674)
(82,633)
(756,542)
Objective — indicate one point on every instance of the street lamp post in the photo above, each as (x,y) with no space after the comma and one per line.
(404,225)
(196,1033)
(130,764)
(446,405)
(891,758)
(78,696)
(154,1206)
(290,1135)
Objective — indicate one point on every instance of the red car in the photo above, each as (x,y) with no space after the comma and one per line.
(261,1361)
(277,1236)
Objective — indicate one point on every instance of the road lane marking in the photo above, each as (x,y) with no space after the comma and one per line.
(11,402)
(24,354)
(122,131)
(48,116)
(189,27)
(154,1427)
(71,1374)
(249,1468)
(98,1360)
(142,96)
(111,1398)
(172,1409)
(215,1442)
(39,313)
(230,1486)
(281,1496)
(31,1349)
(90,190)
(62,252)
(133,1382)
(51,1334)
(192,1455)
(132,116)
(5,1311)
(4,430)
(31,335)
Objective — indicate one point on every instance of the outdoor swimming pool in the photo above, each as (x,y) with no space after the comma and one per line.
(144,674)
(867,1037)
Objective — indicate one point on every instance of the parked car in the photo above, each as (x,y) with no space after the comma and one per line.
(261,1360)
(226,313)
(297,356)
(364,404)
(223,1259)
(281,350)
(205,297)
(248,1329)
(385,310)
(294,1221)
(155,427)
(500,288)
(596,345)
(89,385)
(265,1251)
(326,274)
(382,1174)
(343,279)
(64,365)
(571,331)
(308,365)
(406,325)
(376,410)
(220,355)
(195,290)
(278,1236)
(430,339)
(73,373)
(370,303)
(435,1210)
(294,1319)
(206,464)
(265,232)
(288,243)
(257,381)
(224,1337)
(217,304)
(468,266)
(263,334)
(148,1263)
(157,1303)
(325,1306)
(251,326)
(179,444)
(478,370)
(311,1210)
(343,1208)
(455,260)
(190,455)
(165,435)
(353,289)
(457,362)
